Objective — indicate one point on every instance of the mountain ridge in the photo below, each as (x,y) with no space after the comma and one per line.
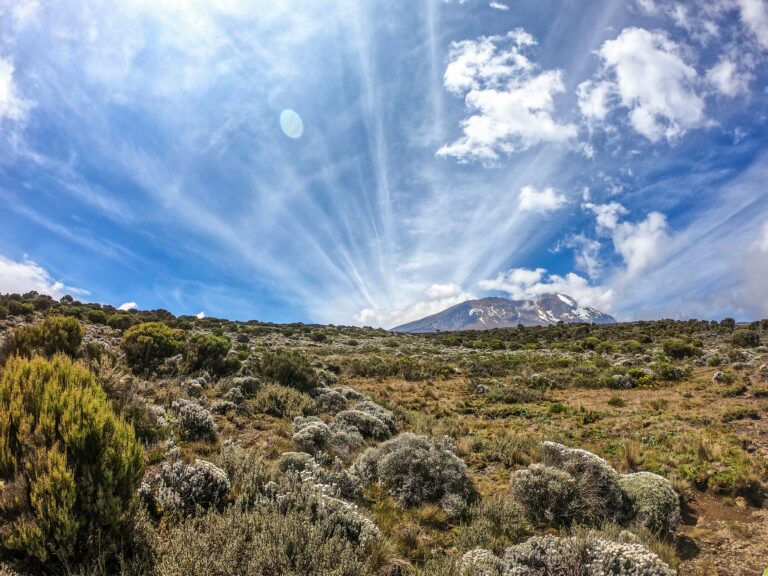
(497,312)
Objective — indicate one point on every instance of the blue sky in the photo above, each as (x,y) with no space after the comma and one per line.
(436,151)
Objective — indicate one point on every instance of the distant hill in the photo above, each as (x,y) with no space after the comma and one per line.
(488,313)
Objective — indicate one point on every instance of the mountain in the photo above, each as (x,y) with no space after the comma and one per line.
(488,313)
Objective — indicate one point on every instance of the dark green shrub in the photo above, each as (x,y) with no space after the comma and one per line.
(57,334)
(121,321)
(744,338)
(209,352)
(97,316)
(147,345)
(16,308)
(678,349)
(70,466)
(289,369)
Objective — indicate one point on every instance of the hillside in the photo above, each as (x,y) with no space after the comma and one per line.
(307,449)
(489,313)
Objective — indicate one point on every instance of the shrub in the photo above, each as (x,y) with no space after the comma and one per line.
(289,369)
(417,470)
(121,321)
(194,422)
(377,411)
(744,338)
(209,352)
(597,483)
(57,334)
(329,400)
(16,308)
(248,384)
(182,488)
(146,345)
(70,465)
(651,501)
(281,401)
(366,424)
(545,494)
(311,434)
(495,523)
(678,349)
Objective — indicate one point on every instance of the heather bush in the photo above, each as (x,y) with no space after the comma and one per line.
(193,421)
(311,434)
(289,369)
(417,470)
(651,501)
(235,395)
(68,465)
(678,349)
(745,338)
(366,424)
(181,488)
(494,523)
(56,334)
(281,401)
(148,344)
(248,384)
(350,393)
(209,352)
(121,321)
(223,406)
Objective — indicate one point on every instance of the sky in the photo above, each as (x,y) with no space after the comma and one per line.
(370,162)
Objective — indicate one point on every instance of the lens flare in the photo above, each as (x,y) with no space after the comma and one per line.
(291,124)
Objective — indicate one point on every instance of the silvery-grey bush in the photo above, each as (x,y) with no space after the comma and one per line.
(545,494)
(368,425)
(194,421)
(651,501)
(328,400)
(417,470)
(179,487)
(378,411)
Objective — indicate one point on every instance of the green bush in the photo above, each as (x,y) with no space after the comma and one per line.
(57,334)
(70,466)
(743,338)
(678,349)
(121,321)
(289,369)
(281,401)
(147,345)
(97,316)
(209,352)
(16,308)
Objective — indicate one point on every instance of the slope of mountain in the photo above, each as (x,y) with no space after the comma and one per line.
(488,313)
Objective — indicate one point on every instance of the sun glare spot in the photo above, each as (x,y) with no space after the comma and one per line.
(291,124)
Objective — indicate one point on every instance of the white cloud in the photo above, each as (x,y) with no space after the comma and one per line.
(12,105)
(647,72)
(511,103)
(524,284)
(498,5)
(642,244)
(586,254)
(729,78)
(27,276)
(648,7)
(125,306)
(439,297)
(200,315)
(594,99)
(541,201)
(607,214)
(754,15)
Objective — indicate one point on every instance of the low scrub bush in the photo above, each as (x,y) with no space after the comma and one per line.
(678,349)
(368,425)
(193,421)
(744,338)
(209,352)
(545,494)
(651,502)
(281,401)
(289,369)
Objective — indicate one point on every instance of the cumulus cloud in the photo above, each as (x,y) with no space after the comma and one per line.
(12,105)
(542,201)
(510,101)
(438,298)
(648,73)
(607,215)
(586,253)
(754,15)
(27,276)
(641,244)
(125,306)
(729,77)
(525,283)
(498,5)
(200,315)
